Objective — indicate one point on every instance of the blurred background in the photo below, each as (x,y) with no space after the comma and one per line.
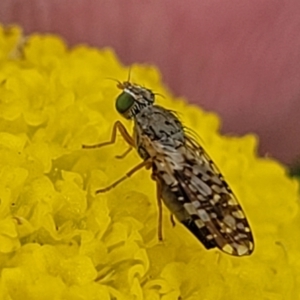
(240,59)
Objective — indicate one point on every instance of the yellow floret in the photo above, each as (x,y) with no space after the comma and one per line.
(60,241)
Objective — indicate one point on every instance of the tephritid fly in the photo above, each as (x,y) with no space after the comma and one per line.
(188,182)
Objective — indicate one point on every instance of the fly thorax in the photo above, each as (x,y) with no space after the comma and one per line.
(160,124)
(156,127)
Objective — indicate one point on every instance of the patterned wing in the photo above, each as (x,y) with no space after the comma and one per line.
(201,199)
(211,202)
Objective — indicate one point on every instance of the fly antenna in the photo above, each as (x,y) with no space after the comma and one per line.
(129,74)
(158,94)
(119,83)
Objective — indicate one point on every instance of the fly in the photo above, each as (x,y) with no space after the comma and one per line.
(187,180)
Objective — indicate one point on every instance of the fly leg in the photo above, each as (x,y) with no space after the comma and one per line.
(118,126)
(160,212)
(159,204)
(121,156)
(146,163)
(172,220)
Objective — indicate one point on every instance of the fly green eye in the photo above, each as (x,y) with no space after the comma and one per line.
(124,102)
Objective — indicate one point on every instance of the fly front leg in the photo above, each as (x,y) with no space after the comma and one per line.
(118,126)
(146,163)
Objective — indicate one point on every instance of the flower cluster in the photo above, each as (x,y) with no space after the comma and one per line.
(60,241)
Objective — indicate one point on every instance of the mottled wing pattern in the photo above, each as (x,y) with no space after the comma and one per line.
(214,214)
(211,201)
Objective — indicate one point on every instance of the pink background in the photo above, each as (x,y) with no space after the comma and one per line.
(240,58)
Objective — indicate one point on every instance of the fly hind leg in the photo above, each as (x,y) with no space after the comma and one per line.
(159,205)
(172,220)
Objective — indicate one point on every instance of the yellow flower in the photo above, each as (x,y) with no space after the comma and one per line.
(60,241)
